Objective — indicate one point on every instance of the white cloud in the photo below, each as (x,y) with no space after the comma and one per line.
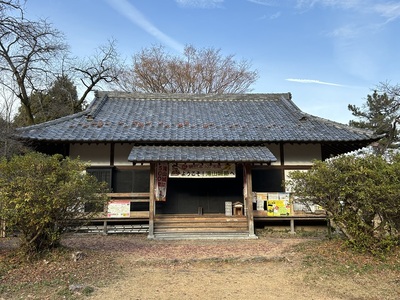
(390,11)
(265,2)
(129,11)
(387,9)
(275,15)
(344,4)
(200,3)
(346,31)
(313,81)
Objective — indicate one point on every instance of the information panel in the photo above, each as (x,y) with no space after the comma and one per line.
(119,209)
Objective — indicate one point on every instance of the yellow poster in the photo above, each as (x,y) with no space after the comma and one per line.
(278,208)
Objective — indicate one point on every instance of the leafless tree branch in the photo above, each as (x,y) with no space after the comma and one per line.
(198,71)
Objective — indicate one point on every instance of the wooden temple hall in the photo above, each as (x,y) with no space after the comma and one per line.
(196,166)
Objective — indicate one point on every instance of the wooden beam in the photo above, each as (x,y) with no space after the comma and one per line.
(249,200)
(112,154)
(152,202)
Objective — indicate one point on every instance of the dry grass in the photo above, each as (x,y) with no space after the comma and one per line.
(307,268)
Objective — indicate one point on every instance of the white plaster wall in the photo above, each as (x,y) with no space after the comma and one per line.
(95,154)
(121,153)
(301,154)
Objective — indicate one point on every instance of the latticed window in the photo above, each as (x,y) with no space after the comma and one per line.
(123,180)
(102,175)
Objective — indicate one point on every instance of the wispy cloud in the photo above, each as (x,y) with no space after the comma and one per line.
(387,9)
(129,11)
(275,15)
(313,81)
(361,17)
(269,3)
(343,4)
(270,17)
(200,3)
(390,11)
(307,4)
(346,31)
(265,2)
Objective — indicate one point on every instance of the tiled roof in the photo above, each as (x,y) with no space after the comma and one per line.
(146,153)
(191,118)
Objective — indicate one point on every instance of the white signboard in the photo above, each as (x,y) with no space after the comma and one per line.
(202,170)
(119,209)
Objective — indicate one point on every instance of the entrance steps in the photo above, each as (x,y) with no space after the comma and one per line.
(210,226)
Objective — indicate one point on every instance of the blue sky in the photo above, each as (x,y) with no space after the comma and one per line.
(327,53)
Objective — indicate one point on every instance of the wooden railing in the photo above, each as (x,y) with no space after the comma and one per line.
(132,197)
(137,222)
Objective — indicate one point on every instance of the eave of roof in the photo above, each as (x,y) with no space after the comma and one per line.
(193,119)
(252,154)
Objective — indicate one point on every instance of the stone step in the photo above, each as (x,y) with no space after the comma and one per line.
(203,235)
(200,225)
(201,219)
(201,230)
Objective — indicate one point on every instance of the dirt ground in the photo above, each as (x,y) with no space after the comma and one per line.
(267,268)
(133,267)
(206,270)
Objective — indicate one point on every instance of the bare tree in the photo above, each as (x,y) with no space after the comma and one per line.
(197,71)
(6,5)
(28,51)
(8,145)
(103,66)
(393,90)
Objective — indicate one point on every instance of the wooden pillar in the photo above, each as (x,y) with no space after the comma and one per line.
(152,202)
(105,228)
(292,231)
(249,200)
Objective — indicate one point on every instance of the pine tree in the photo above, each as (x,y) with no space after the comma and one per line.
(379,114)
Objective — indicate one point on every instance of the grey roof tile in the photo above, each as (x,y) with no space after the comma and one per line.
(153,153)
(192,118)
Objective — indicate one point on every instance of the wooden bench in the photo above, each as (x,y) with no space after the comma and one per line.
(262,216)
(136,222)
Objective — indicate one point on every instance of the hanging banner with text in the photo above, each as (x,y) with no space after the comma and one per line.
(160,189)
(202,170)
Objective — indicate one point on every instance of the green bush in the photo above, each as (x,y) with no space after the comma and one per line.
(360,194)
(40,195)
